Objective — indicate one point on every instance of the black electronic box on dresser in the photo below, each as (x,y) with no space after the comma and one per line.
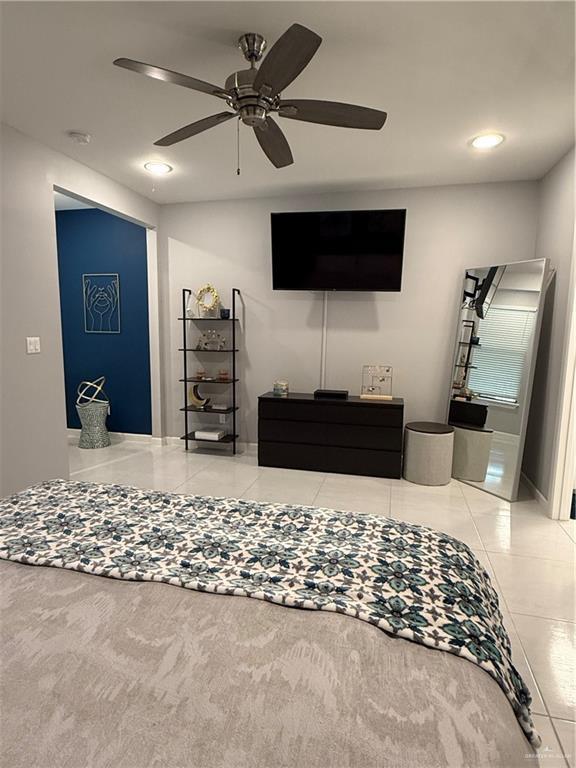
(354,436)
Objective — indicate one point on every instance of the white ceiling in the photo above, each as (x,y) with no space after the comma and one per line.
(444,71)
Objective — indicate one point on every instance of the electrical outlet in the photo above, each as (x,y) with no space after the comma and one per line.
(222,418)
(32,345)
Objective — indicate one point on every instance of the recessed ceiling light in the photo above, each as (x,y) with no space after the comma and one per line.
(487,140)
(158,169)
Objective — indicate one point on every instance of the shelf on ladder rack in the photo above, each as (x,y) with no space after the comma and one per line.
(232,407)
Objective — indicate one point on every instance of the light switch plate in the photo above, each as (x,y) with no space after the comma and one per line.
(32,345)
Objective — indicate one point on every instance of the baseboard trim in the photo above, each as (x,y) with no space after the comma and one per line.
(131,437)
(538,495)
(123,437)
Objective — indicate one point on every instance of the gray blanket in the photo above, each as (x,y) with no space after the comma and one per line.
(414,582)
(99,673)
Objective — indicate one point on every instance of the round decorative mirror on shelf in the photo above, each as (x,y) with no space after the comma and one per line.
(208,301)
(205,303)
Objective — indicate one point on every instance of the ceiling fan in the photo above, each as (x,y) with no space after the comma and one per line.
(255,94)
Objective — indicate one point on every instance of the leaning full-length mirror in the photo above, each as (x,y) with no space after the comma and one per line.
(493,367)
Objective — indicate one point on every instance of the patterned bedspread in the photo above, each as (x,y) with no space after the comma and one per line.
(410,581)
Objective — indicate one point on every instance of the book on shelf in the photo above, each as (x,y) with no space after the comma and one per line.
(209,434)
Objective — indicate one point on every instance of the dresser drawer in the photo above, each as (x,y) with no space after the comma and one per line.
(333,412)
(322,434)
(350,461)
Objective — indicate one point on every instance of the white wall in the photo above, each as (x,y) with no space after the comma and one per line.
(447,230)
(555,240)
(33,428)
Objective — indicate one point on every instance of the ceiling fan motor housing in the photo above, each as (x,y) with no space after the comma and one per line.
(251,105)
(252,46)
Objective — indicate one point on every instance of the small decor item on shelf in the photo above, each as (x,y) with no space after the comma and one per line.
(281,388)
(209,434)
(207,301)
(219,407)
(202,341)
(224,374)
(216,341)
(201,373)
(224,314)
(376,382)
(465,393)
(93,407)
(211,341)
(195,399)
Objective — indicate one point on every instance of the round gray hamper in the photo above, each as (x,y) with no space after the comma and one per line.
(428,448)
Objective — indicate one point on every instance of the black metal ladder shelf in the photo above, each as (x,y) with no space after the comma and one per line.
(231,409)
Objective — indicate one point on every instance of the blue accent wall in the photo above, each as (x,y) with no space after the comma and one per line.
(92,241)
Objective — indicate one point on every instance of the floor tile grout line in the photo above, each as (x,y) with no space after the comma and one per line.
(530,556)
(202,469)
(544,618)
(135,454)
(251,484)
(559,524)
(564,755)
(502,598)
(559,740)
(535,557)
(471,516)
(546,707)
(117,460)
(563,720)
(319,489)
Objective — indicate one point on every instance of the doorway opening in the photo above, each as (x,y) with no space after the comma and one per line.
(108,307)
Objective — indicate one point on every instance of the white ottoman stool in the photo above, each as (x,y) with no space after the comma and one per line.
(428,448)
(471,452)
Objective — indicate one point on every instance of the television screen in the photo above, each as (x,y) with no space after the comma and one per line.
(338,250)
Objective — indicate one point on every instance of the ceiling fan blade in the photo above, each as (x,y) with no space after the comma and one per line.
(286,59)
(168,76)
(274,144)
(191,130)
(332,113)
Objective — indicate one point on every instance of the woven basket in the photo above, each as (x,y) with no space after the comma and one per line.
(93,420)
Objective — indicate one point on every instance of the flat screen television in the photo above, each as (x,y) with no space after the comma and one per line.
(338,250)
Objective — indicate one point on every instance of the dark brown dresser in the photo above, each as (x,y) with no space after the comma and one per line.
(353,436)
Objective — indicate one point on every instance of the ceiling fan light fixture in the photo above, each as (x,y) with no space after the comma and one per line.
(158,169)
(487,140)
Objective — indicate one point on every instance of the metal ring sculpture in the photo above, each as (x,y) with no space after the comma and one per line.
(97,396)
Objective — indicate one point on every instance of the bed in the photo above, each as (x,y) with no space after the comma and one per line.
(130,671)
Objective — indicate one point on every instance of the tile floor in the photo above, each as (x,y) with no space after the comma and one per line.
(529,557)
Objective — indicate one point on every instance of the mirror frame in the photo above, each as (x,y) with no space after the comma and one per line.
(531,367)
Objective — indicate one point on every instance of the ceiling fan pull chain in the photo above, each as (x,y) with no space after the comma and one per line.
(238,146)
